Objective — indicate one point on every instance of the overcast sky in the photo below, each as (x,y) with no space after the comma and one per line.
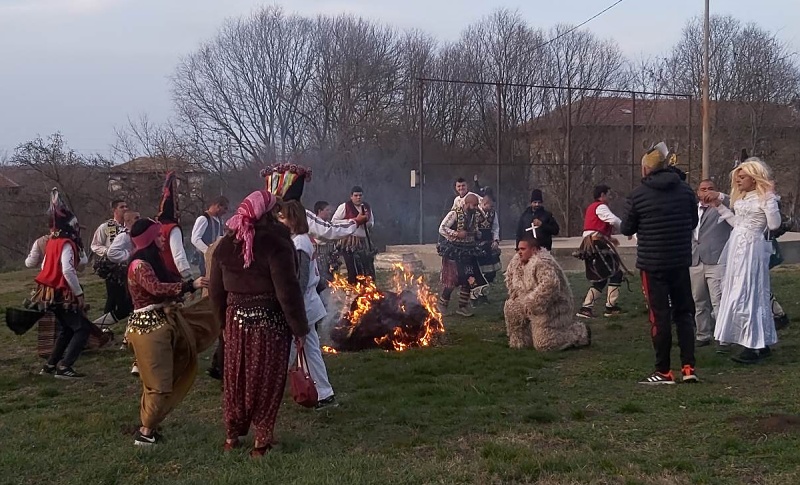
(83,67)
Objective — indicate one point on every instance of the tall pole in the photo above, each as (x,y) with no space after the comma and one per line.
(569,160)
(420,108)
(706,114)
(499,142)
(634,172)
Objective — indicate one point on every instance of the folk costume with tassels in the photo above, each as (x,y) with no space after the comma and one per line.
(64,330)
(598,251)
(196,310)
(460,266)
(173,251)
(358,250)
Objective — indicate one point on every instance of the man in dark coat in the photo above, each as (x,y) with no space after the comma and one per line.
(662,212)
(536,215)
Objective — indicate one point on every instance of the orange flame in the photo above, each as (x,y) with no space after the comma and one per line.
(367,293)
(329,350)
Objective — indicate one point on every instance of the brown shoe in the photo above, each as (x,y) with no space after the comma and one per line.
(260,451)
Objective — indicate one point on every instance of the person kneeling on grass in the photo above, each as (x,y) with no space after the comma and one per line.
(539,309)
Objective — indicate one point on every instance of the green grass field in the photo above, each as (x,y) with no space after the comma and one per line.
(469,411)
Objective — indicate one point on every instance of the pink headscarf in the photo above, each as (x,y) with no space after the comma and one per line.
(249,211)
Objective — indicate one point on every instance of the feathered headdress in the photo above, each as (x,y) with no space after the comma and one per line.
(286,180)
(168,209)
(62,220)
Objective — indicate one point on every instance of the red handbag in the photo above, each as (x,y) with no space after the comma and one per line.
(301,385)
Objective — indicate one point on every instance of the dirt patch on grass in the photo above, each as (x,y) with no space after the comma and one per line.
(779,423)
(772,424)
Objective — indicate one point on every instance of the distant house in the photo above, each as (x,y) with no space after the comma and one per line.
(608,136)
(140,182)
(145,170)
(8,186)
(605,129)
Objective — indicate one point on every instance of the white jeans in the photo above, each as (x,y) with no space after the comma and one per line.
(316,366)
(707,292)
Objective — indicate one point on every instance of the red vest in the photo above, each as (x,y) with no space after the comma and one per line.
(351,211)
(593,223)
(166,252)
(52,275)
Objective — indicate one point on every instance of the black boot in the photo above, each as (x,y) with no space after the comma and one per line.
(747,356)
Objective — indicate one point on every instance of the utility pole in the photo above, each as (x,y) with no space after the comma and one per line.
(706,114)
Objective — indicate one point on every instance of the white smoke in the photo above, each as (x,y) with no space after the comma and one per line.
(336,304)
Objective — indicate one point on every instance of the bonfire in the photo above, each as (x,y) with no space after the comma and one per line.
(398,320)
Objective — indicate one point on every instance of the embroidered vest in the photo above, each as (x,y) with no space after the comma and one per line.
(593,223)
(465,222)
(351,211)
(113,229)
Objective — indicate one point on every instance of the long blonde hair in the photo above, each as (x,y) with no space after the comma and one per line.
(757,169)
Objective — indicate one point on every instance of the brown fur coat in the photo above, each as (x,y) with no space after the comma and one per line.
(539,310)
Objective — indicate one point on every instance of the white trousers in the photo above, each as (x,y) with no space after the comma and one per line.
(707,292)
(316,366)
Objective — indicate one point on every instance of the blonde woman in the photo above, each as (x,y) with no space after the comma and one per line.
(745,315)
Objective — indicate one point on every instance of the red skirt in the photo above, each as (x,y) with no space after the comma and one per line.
(449,276)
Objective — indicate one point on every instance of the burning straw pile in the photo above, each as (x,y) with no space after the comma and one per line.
(398,320)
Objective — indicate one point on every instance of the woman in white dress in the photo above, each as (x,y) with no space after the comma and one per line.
(745,314)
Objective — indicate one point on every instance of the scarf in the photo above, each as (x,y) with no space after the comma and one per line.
(242,223)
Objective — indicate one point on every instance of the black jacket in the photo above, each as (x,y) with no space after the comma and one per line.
(545,232)
(662,212)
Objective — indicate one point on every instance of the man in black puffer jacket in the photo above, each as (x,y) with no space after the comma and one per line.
(662,212)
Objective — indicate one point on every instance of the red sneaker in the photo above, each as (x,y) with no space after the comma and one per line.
(688,374)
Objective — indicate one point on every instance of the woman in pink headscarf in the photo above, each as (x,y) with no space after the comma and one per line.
(254,290)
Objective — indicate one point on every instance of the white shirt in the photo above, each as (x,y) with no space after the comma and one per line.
(322,229)
(360,231)
(178,253)
(68,268)
(315,309)
(459,201)
(100,241)
(605,215)
(700,212)
(445,227)
(121,249)
(199,229)
(36,256)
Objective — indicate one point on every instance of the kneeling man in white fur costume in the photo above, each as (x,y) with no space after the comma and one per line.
(539,310)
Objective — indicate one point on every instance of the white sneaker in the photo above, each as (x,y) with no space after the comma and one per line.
(135,370)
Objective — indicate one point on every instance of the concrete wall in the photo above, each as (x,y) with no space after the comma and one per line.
(562,250)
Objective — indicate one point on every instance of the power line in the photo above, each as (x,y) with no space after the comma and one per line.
(580,24)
